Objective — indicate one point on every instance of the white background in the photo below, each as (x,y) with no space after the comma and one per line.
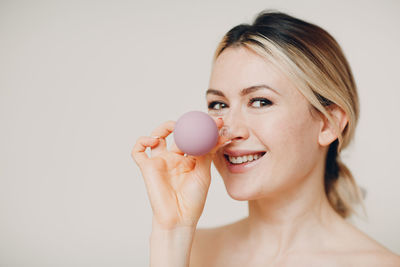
(80,81)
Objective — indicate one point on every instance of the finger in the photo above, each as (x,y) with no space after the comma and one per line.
(222,138)
(164,129)
(139,149)
(174,148)
(219,121)
(222,141)
(162,132)
(222,132)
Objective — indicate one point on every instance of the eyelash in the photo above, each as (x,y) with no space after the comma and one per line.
(252,100)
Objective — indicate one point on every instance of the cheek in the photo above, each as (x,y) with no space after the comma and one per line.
(291,137)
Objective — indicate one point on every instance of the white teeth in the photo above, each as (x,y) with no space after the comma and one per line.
(247,158)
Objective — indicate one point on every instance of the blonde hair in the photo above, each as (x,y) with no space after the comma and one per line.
(313,60)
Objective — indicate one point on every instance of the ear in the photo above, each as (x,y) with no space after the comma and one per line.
(328,132)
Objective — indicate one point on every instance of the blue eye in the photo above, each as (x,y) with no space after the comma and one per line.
(261,102)
(216,105)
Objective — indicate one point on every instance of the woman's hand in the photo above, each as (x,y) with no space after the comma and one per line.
(177,185)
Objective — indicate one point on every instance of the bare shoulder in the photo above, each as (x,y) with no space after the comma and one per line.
(377,255)
(345,258)
(380,258)
(367,258)
(215,246)
(365,251)
(357,250)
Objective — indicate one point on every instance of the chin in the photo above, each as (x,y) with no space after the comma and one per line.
(240,192)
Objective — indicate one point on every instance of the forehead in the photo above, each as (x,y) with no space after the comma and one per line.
(238,68)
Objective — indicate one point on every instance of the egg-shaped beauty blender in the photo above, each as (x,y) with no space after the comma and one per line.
(195,133)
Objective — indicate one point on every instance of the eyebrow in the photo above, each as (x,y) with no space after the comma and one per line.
(244,91)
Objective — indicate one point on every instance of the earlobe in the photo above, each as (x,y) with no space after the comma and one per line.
(328,132)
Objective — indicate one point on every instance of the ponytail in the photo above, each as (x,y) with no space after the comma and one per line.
(340,187)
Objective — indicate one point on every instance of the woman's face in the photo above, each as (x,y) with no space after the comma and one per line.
(270,123)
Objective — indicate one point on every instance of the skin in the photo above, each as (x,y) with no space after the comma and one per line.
(290,221)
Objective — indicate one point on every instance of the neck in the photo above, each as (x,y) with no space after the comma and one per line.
(295,219)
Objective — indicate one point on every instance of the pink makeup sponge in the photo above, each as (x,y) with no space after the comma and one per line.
(195,133)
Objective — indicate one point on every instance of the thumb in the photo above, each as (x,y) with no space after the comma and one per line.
(223,137)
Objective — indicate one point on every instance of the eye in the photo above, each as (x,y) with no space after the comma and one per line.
(216,105)
(260,102)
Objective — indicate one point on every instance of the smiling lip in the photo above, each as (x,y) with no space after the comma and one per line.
(242,167)
(239,153)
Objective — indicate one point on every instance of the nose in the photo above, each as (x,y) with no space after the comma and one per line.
(237,126)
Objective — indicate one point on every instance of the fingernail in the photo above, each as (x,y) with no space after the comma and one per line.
(155,137)
(224,131)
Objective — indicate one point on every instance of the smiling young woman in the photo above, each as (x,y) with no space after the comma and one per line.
(285,90)
(285,50)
